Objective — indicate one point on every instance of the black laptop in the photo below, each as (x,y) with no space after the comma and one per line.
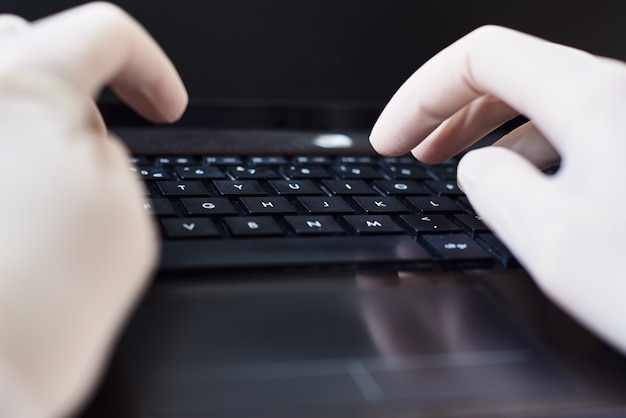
(302,275)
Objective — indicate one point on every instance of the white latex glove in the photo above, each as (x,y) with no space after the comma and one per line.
(76,246)
(567,230)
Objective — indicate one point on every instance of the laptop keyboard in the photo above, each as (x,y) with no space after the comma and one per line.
(227,211)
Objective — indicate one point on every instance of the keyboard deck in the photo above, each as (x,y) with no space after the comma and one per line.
(250,212)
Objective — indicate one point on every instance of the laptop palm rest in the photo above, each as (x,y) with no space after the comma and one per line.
(437,348)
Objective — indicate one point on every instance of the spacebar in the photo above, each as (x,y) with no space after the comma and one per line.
(266,252)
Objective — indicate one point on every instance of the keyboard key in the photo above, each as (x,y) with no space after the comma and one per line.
(160,207)
(189,228)
(364,172)
(168,161)
(446,171)
(372,224)
(267,160)
(380,204)
(223,160)
(433,204)
(153,173)
(239,188)
(497,249)
(305,172)
(314,225)
(211,206)
(456,247)
(312,160)
(247,226)
(182,188)
(471,224)
(400,187)
(326,204)
(429,224)
(199,173)
(404,160)
(348,187)
(407,172)
(444,188)
(464,202)
(295,187)
(364,160)
(294,251)
(269,205)
(139,160)
(249,173)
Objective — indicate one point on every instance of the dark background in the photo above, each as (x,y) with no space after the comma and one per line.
(326,64)
(338,50)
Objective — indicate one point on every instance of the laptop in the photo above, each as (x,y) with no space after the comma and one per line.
(304,276)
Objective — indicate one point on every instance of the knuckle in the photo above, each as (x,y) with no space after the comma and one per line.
(104,7)
(12,21)
(487,32)
(109,12)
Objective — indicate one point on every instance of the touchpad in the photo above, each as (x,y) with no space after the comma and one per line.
(431,346)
